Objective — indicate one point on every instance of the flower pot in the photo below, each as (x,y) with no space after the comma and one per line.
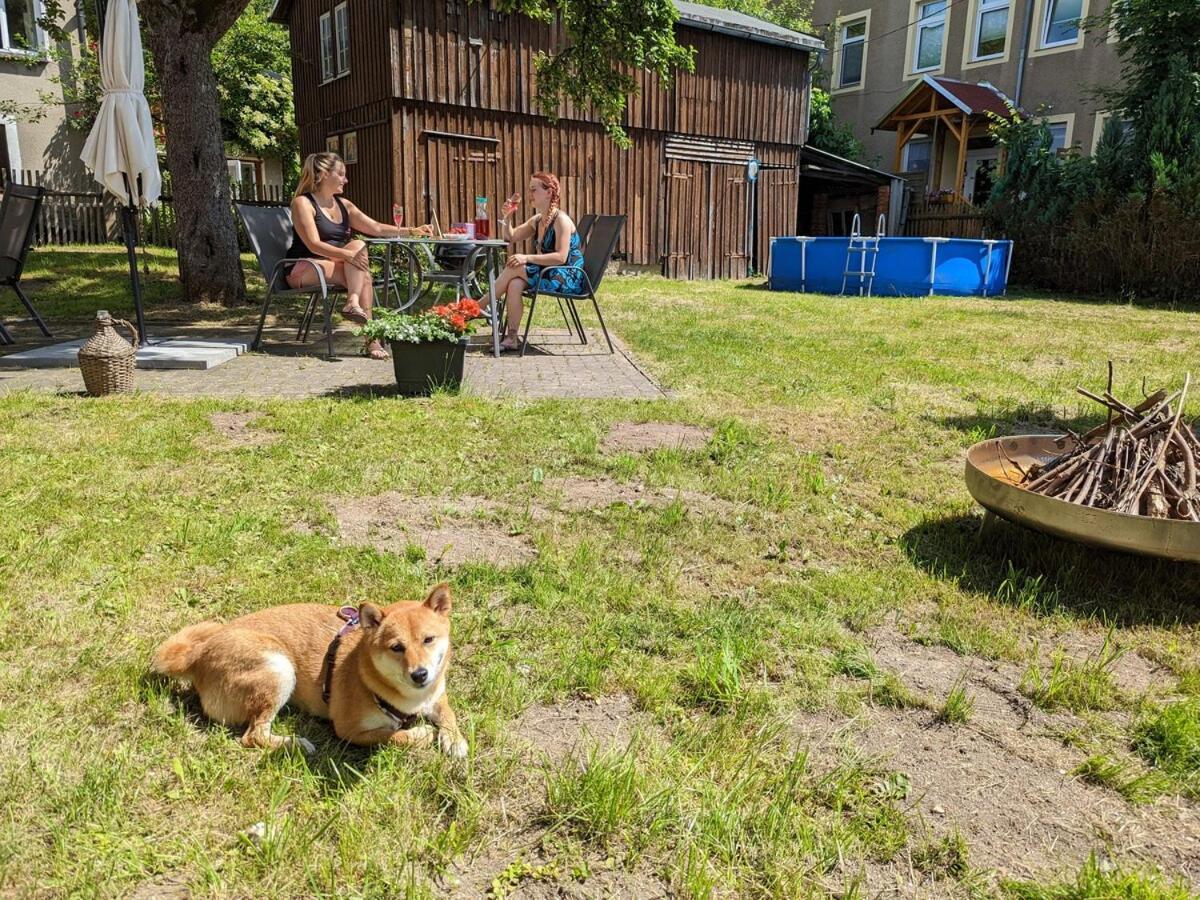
(422,367)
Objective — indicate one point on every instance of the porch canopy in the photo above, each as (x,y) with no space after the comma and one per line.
(935,102)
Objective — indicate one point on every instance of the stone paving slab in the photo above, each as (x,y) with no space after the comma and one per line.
(554,366)
(168,353)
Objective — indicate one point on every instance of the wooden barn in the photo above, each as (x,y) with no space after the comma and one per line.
(432,103)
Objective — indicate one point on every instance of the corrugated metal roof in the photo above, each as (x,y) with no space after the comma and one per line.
(694,15)
(738,24)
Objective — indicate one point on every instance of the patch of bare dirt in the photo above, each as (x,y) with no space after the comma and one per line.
(1134,674)
(550,734)
(1002,779)
(580,494)
(553,732)
(641,437)
(451,532)
(164,888)
(235,428)
(555,879)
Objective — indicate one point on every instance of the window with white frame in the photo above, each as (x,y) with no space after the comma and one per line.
(991,28)
(19,32)
(335,43)
(1062,22)
(918,154)
(930,35)
(244,173)
(854,42)
(341,37)
(10,150)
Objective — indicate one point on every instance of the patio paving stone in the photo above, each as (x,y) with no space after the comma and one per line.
(554,366)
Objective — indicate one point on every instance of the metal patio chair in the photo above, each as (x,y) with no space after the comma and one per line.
(602,241)
(584,227)
(270,231)
(18,217)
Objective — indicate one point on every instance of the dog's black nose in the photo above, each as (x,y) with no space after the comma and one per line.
(420,676)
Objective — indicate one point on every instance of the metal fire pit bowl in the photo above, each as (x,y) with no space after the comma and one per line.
(991,478)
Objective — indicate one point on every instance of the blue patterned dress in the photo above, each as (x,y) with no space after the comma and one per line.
(559,281)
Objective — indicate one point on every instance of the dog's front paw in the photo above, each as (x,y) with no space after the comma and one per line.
(417,736)
(305,745)
(452,744)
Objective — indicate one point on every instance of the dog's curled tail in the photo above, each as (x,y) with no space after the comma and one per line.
(177,653)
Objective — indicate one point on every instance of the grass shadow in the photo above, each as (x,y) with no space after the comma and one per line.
(1046,575)
(336,764)
(1007,419)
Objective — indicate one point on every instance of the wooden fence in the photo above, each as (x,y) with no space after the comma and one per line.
(75,212)
(957,218)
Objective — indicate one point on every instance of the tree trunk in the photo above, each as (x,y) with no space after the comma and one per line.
(181,39)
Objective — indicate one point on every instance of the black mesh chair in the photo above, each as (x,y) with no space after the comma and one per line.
(584,227)
(270,231)
(18,217)
(602,241)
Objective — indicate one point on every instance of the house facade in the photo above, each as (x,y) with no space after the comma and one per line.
(48,146)
(432,103)
(915,79)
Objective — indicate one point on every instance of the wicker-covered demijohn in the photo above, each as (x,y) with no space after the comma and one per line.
(107,359)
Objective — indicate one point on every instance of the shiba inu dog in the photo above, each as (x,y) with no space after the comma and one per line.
(372,671)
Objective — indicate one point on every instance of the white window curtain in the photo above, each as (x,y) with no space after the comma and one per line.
(930,35)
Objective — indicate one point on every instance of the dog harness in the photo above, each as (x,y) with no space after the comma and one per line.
(349,614)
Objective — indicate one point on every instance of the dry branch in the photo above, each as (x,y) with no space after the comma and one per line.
(1142,461)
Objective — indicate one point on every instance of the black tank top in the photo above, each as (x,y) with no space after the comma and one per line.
(329,231)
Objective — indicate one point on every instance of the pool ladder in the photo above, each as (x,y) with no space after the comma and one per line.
(867,249)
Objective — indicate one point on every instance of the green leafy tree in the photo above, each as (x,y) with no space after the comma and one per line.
(1158,93)
(253,66)
(827,133)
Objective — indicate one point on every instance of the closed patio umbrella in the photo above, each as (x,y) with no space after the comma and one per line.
(120,150)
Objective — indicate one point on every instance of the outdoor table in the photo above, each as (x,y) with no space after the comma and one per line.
(489,249)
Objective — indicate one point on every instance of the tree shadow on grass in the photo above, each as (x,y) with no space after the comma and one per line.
(1047,575)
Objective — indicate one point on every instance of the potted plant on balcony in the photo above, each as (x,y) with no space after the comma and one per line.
(428,347)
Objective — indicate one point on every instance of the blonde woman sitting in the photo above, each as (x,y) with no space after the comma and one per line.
(324,223)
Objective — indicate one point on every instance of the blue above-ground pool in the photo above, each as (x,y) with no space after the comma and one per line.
(905,266)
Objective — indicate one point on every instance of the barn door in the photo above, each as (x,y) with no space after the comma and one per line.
(688,219)
(459,168)
(730,227)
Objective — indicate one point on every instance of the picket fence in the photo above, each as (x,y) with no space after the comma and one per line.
(77,212)
(940,218)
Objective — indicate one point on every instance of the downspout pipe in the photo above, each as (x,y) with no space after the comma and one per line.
(1024,53)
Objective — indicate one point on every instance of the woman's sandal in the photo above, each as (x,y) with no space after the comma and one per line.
(355,314)
(510,342)
(374,350)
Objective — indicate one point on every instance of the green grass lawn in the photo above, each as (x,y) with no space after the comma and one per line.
(837,522)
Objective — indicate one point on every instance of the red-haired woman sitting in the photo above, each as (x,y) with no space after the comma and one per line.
(556,244)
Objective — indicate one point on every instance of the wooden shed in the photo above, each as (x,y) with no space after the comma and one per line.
(432,102)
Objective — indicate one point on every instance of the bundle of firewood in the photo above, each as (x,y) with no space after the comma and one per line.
(1142,461)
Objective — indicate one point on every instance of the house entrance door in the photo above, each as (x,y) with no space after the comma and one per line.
(981,173)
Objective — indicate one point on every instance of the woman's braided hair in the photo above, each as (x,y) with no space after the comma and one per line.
(550,182)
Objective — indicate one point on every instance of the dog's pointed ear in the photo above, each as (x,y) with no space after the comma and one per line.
(439,600)
(370,615)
